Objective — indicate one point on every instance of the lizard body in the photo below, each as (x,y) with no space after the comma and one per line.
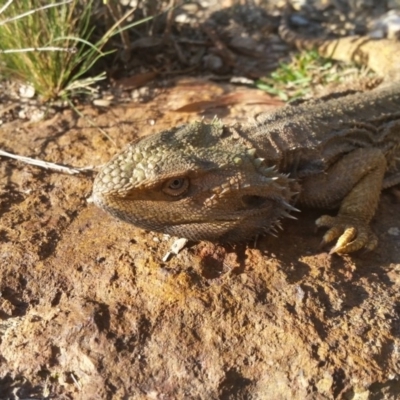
(229,183)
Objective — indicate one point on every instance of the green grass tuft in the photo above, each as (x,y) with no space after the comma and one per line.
(294,80)
(46,45)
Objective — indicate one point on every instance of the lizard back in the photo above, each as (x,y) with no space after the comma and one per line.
(298,135)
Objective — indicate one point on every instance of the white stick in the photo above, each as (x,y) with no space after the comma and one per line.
(45,164)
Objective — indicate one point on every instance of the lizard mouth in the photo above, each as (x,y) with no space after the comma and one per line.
(262,215)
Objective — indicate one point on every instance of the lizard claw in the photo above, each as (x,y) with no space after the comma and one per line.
(351,234)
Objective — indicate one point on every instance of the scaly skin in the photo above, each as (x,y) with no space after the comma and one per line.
(229,183)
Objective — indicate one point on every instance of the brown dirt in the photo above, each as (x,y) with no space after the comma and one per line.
(88,310)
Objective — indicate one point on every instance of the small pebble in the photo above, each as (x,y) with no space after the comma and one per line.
(26,91)
(101,102)
(37,115)
(299,20)
(394,231)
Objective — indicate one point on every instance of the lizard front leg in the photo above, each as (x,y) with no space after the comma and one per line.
(354,182)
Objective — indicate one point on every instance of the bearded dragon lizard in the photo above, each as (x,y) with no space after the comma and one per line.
(210,181)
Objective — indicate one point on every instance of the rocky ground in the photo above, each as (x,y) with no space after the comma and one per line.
(89,309)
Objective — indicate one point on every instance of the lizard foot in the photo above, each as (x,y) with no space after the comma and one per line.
(352,234)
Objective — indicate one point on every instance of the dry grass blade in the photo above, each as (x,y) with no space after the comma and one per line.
(28,12)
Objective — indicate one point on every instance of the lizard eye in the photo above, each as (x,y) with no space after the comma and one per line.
(176,186)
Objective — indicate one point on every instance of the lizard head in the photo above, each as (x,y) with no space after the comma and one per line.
(200,181)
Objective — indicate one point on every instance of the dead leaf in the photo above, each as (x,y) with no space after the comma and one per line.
(243,97)
(135,81)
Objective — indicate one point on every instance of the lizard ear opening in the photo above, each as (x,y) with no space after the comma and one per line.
(253,201)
